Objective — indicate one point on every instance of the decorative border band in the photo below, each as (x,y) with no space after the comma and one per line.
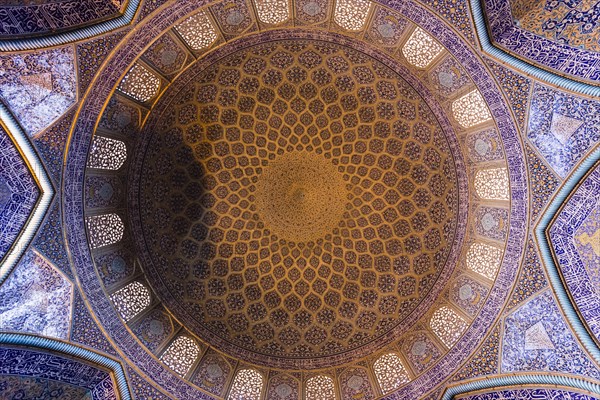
(54,345)
(553,273)
(551,78)
(74,35)
(502,382)
(47,193)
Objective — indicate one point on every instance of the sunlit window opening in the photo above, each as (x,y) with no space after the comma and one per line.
(272,11)
(447,325)
(131,300)
(140,83)
(181,355)
(104,230)
(247,385)
(420,49)
(352,14)
(470,110)
(484,259)
(492,184)
(390,372)
(197,31)
(107,153)
(320,387)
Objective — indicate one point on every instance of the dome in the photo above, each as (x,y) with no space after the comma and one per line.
(298,200)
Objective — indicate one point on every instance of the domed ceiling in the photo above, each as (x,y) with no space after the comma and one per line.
(298,200)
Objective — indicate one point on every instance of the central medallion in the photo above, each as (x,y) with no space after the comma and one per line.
(300,196)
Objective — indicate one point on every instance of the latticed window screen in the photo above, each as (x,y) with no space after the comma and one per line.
(420,49)
(247,385)
(320,387)
(447,325)
(131,300)
(484,259)
(492,184)
(390,372)
(140,83)
(107,153)
(197,31)
(352,14)
(104,230)
(181,355)
(470,110)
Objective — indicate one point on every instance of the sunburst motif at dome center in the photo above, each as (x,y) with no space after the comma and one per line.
(301,197)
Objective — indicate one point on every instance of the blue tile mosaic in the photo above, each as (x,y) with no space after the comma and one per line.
(537,338)
(40,366)
(563,127)
(18,192)
(36,298)
(38,87)
(575,239)
(530,394)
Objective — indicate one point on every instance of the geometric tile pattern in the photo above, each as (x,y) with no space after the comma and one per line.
(18,192)
(575,240)
(537,338)
(563,127)
(20,169)
(530,394)
(41,17)
(38,87)
(564,38)
(36,298)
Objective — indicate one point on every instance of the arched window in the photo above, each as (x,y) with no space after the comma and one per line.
(272,11)
(470,109)
(131,300)
(104,230)
(107,153)
(351,14)
(197,31)
(320,387)
(447,325)
(181,355)
(140,83)
(247,385)
(492,184)
(390,372)
(484,259)
(420,49)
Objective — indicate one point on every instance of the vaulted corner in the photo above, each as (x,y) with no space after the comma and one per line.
(569,238)
(555,41)
(25,192)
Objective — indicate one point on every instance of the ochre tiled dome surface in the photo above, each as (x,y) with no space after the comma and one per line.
(298,200)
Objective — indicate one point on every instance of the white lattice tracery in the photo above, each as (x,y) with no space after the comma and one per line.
(140,83)
(390,372)
(247,385)
(181,355)
(492,184)
(104,229)
(484,259)
(420,49)
(447,325)
(131,300)
(272,11)
(107,153)
(320,387)
(352,14)
(197,31)
(470,109)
